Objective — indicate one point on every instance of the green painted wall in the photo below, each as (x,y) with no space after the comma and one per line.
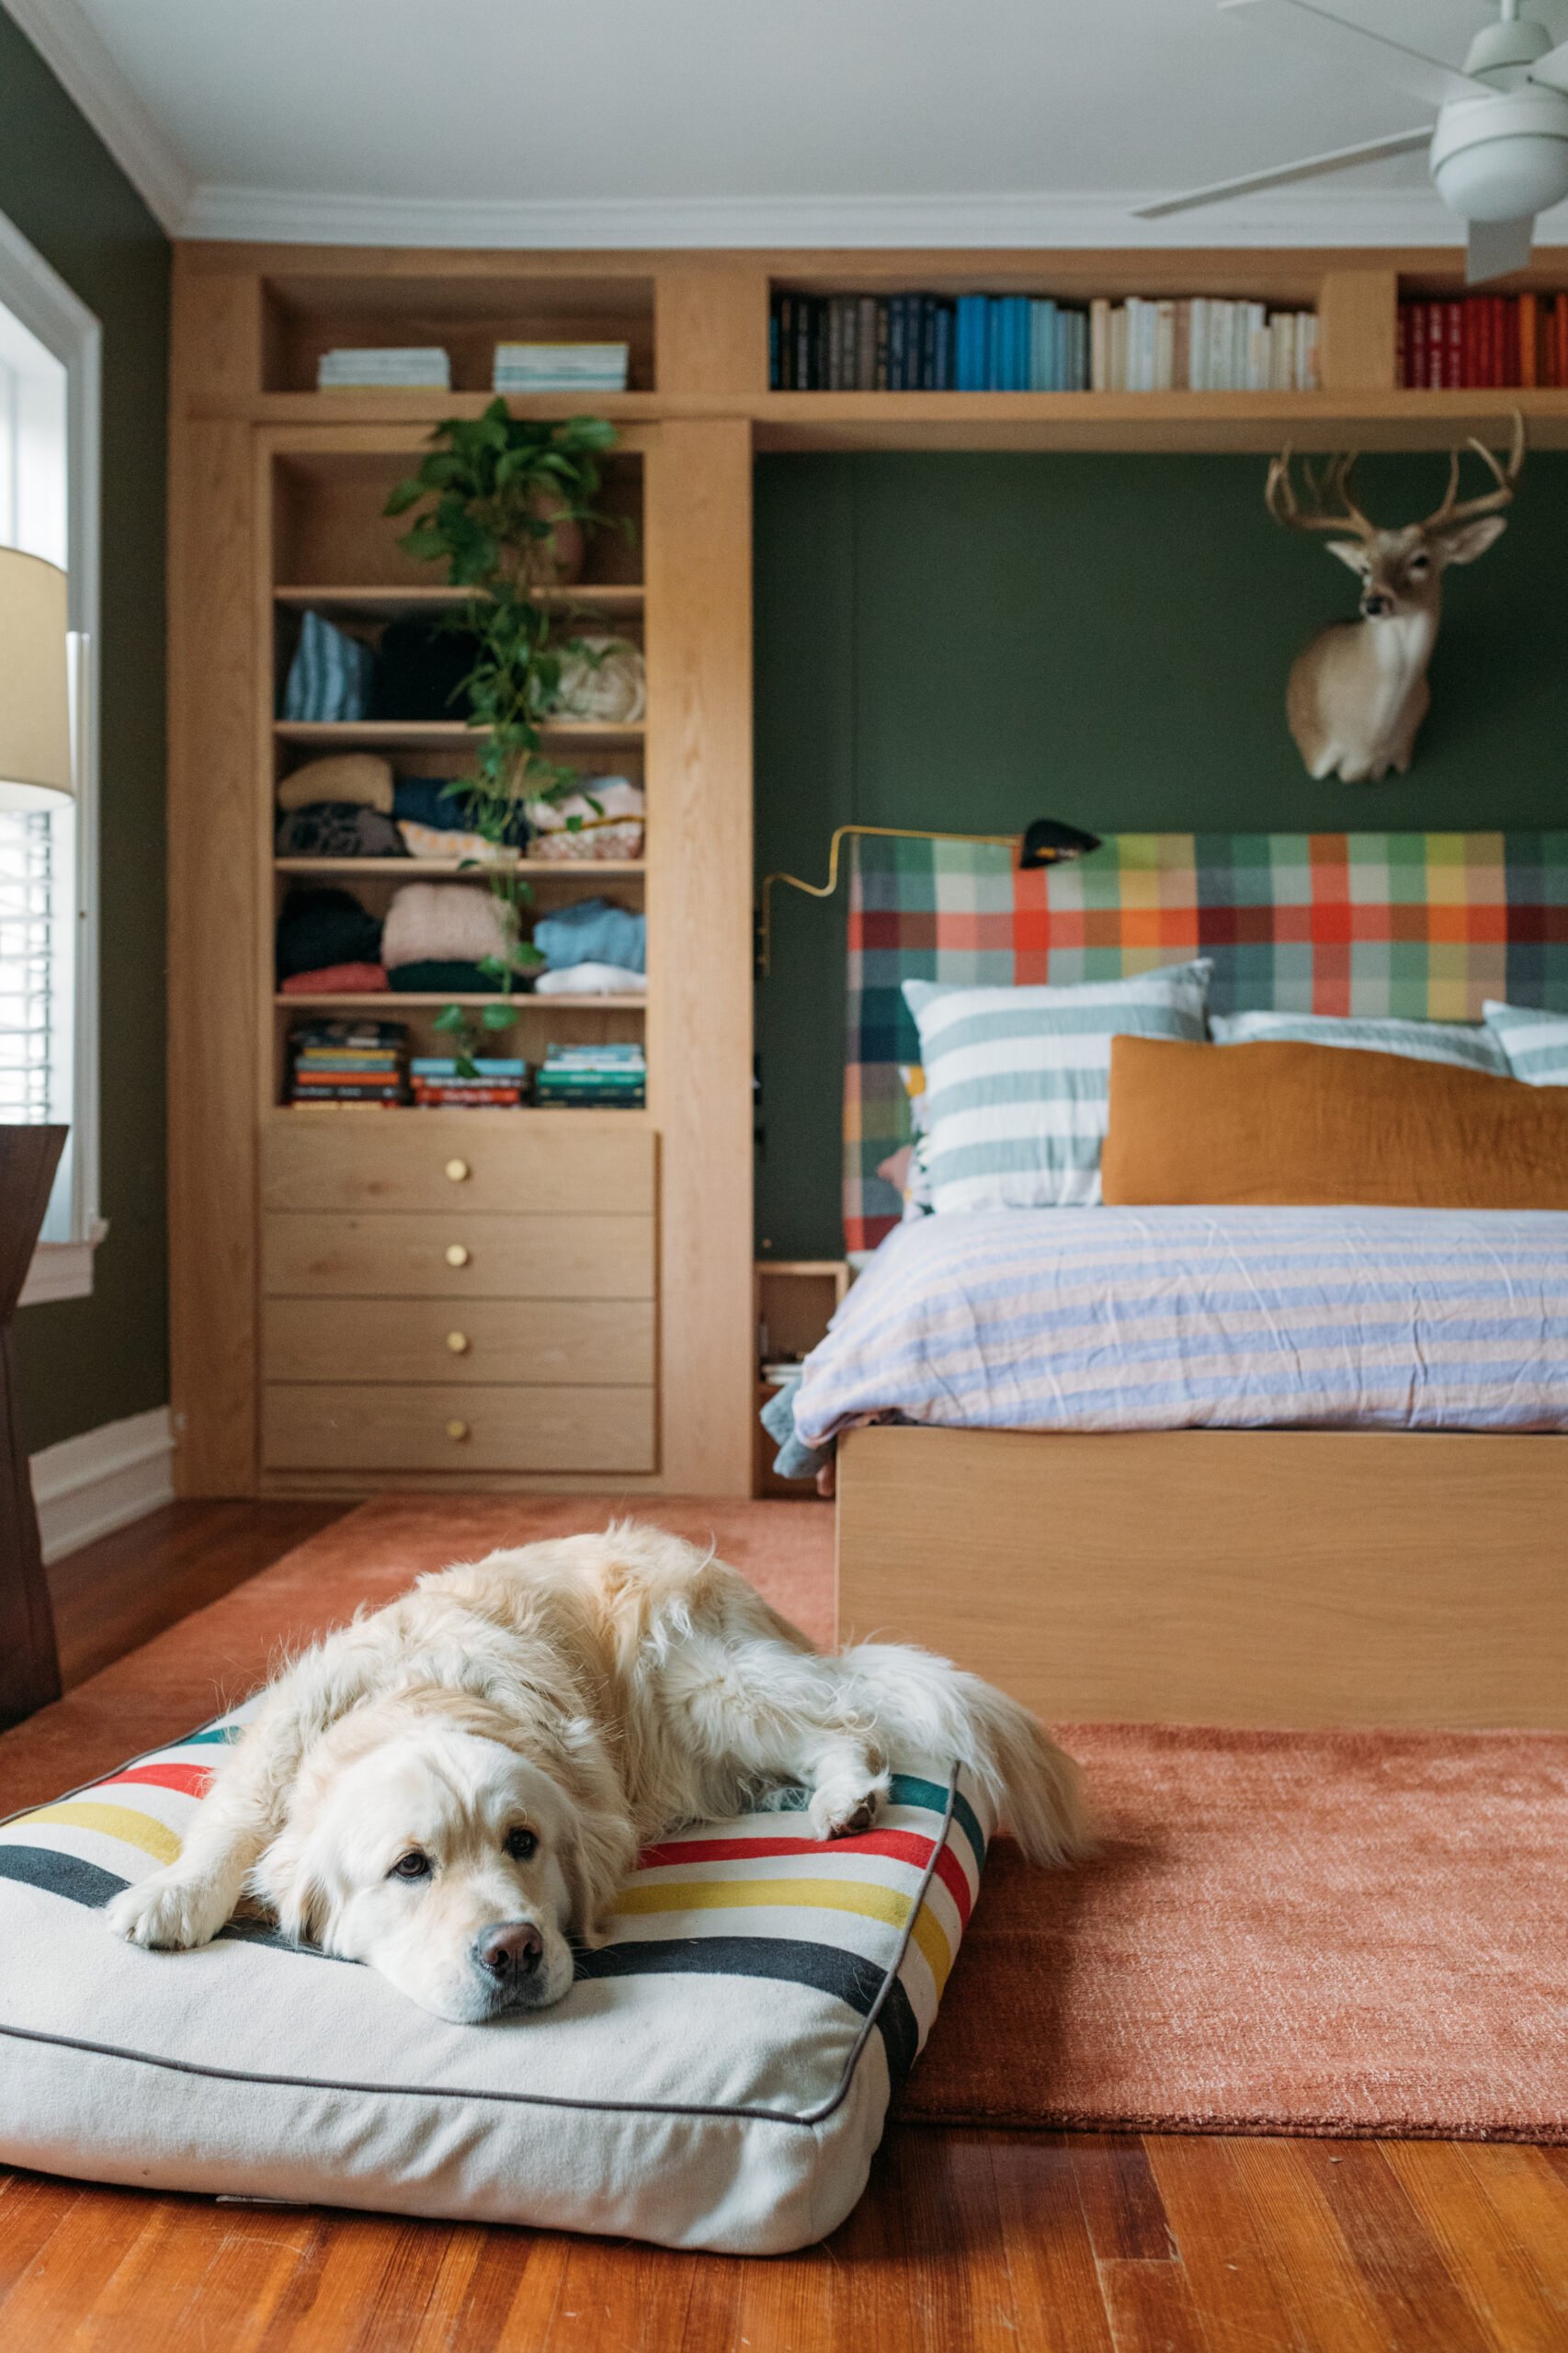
(84,1363)
(967,642)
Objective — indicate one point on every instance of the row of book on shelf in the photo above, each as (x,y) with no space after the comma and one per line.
(1483,341)
(369,1061)
(518,368)
(1019,343)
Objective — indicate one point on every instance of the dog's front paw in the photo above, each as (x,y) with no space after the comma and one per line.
(168,1912)
(843,1808)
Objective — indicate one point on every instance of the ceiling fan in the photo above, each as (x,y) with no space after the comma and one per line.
(1499,151)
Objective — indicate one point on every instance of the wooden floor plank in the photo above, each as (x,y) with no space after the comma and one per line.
(1120,2197)
(1050,2259)
(1503,2230)
(1418,2303)
(1150,2308)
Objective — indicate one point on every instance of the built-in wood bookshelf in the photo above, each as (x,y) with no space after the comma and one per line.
(278,493)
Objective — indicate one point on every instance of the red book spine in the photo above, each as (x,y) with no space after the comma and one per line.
(1499,341)
(1434,346)
(1526,310)
(1483,339)
(1471,375)
(1404,362)
(1453,346)
(1561,339)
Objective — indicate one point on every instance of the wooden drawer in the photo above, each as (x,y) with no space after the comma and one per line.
(447,1427)
(391,1255)
(431,1162)
(579,1341)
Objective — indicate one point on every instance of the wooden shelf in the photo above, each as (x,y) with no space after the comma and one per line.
(438,734)
(390,999)
(502,1115)
(548,869)
(401,604)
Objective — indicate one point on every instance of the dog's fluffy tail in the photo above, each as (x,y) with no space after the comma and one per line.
(920,1702)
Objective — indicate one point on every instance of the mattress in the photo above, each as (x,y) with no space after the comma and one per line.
(1133,1319)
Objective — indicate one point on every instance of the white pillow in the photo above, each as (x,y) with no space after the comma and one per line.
(1017,1080)
(718,2077)
(1536,1044)
(1469,1045)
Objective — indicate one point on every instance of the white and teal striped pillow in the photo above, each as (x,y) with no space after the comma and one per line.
(1469,1044)
(1536,1044)
(1018,1081)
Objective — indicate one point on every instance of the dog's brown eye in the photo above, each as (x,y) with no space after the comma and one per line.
(413,1865)
(520,1845)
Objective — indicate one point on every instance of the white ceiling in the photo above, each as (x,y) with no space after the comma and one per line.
(738,121)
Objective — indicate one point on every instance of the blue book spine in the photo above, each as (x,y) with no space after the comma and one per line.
(947,332)
(971,343)
(1020,343)
(898,331)
(993,376)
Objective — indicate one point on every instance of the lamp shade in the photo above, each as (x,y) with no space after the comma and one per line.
(35,705)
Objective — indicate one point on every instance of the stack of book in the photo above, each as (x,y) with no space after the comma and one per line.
(561,367)
(349,1062)
(495,1084)
(1019,343)
(1481,341)
(594,1075)
(1203,346)
(423,367)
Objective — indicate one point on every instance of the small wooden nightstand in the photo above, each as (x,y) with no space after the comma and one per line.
(794,1300)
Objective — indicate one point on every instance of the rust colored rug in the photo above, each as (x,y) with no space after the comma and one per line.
(1348,1933)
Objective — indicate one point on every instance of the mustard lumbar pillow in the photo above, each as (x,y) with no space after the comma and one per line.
(1310,1125)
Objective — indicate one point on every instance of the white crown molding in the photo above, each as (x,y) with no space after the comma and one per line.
(1328,217)
(87,72)
(87,1486)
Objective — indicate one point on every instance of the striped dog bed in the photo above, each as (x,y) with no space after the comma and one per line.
(718,2077)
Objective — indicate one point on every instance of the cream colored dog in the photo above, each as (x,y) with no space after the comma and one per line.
(453,1787)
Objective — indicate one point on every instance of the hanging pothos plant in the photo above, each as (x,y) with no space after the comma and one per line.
(503,503)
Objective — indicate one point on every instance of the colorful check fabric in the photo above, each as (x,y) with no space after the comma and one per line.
(1420,926)
(873,1923)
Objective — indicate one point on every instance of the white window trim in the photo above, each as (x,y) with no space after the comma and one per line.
(46,307)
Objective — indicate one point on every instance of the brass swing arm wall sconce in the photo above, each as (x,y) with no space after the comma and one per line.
(1045,842)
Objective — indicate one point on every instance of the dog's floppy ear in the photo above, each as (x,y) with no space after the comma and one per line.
(286,1883)
(599,1852)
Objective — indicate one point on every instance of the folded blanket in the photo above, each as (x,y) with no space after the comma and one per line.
(331,675)
(602,678)
(447,805)
(338,829)
(363,776)
(594,931)
(451,922)
(321,926)
(337,980)
(430,841)
(443,976)
(603,820)
(590,980)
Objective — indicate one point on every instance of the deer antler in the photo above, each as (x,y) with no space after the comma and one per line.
(1330,507)
(1454,510)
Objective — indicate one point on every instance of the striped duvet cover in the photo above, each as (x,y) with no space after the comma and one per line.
(1129,1319)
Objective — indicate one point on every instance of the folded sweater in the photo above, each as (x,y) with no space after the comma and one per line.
(338,829)
(450,922)
(593,931)
(322,926)
(363,776)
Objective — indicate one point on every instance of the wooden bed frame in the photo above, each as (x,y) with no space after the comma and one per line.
(1305,1577)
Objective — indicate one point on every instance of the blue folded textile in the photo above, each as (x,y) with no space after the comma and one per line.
(794,1459)
(592,931)
(331,675)
(444,803)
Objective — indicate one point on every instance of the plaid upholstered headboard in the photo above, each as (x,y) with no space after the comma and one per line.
(1425,925)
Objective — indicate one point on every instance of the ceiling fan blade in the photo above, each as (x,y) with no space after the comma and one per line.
(1359,52)
(1552,70)
(1495,247)
(1337,159)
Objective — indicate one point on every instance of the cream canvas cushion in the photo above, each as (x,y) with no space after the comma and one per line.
(718,2077)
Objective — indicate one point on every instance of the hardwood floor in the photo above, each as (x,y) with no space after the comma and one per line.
(1056,2242)
(113,1596)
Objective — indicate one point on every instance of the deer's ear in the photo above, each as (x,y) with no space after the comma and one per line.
(1471,540)
(1349,551)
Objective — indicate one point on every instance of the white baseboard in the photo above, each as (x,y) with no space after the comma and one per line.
(87,1486)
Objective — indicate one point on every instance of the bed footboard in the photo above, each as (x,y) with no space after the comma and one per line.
(1309,1577)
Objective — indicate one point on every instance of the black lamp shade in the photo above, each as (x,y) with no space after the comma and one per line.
(1047,841)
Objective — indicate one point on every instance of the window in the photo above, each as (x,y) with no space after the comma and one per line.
(49,459)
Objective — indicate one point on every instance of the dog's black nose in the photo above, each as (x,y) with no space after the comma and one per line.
(509,1948)
(1375,607)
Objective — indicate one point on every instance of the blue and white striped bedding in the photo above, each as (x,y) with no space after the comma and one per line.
(1129,1319)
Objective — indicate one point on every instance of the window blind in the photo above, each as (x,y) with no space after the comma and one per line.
(27,967)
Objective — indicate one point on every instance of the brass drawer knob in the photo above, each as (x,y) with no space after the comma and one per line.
(458,1343)
(458,1170)
(458,1431)
(457,1255)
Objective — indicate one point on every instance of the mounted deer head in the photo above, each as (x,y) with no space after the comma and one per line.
(1358,692)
